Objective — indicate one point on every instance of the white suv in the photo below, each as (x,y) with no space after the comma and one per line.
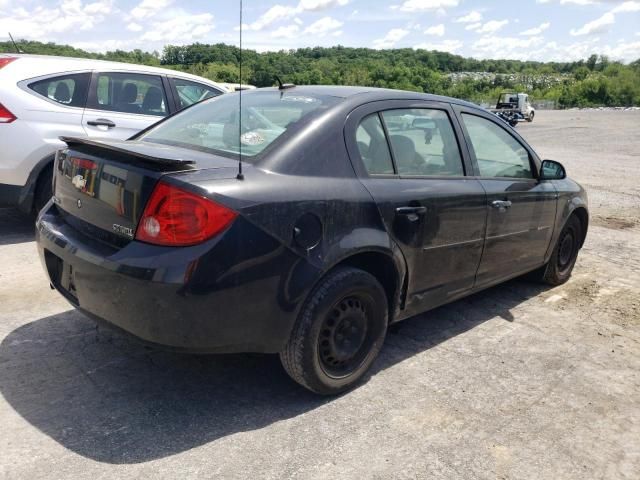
(45,97)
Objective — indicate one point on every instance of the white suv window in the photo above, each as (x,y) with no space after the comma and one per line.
(130,93)
(192,92)
(70,90)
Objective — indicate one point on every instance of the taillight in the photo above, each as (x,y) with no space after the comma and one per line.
(176,217)
(5,115)
(4,61)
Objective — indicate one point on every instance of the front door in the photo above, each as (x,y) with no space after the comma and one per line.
(120,104)
(521,209)
(415,170)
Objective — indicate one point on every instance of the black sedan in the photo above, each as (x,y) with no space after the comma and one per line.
(356,208)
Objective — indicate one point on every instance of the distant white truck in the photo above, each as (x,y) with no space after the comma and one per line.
(514,107)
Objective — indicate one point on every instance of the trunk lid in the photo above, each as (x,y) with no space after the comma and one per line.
(102,187)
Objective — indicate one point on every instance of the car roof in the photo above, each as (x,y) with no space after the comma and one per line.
(365,94)
(46,64)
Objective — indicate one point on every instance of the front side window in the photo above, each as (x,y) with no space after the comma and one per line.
(373,146)
(70,90)
(423,142)
(130,93)
(214,126)
(497,152)
(192,92)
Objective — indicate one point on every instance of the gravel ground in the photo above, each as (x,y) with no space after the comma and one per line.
(518,382)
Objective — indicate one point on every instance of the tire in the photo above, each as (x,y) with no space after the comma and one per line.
(339,332)
(558,270)
(43,190)
(530,117)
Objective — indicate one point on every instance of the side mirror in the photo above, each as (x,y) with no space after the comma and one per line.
(552,170)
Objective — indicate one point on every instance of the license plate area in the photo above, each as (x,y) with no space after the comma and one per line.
(62,276)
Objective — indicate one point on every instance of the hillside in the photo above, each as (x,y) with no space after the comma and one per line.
(595,81)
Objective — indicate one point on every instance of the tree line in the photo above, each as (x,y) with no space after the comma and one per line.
(595,81)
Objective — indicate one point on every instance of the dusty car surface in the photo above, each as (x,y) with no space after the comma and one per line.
(357,208)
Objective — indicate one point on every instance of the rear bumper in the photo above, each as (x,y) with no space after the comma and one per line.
(220,296)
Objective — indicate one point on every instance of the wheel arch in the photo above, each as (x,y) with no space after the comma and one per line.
(386,266)
(583,217)
(28,192)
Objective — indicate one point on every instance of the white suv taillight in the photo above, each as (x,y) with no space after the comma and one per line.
(5,115)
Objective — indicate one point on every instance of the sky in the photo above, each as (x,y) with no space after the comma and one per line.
(545,30)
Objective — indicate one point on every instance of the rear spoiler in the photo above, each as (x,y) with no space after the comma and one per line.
(132,149)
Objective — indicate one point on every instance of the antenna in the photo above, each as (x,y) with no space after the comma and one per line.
(240,175)
(14,44)
(283,86)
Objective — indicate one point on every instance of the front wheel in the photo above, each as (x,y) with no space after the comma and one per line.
(558,270)
(530,117)
(339,332)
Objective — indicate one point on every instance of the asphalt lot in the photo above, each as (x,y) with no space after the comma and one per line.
(521,381)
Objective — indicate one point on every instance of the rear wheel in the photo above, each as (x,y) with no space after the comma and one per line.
(339,332)
(560,265)
(43,191)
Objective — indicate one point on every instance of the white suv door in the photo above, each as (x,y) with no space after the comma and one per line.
(121,104)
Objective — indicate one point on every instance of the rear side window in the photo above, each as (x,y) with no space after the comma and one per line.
(373,146)
(70,90)
(423,142)
(498,154)
(130,93)
(192,92)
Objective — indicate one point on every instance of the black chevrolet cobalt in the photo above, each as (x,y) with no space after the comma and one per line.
(356,208)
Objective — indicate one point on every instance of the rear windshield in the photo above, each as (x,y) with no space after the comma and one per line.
(213,125)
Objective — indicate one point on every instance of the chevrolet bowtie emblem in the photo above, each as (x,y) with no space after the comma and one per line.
(79,182)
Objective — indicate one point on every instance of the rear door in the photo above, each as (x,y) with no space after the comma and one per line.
(408,156)
(521,209)
(120,104)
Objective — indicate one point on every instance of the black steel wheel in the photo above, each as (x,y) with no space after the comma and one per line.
(560,265)
(339,332)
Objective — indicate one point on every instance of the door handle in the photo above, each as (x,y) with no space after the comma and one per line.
(411,210)
(101,122)
(501,204)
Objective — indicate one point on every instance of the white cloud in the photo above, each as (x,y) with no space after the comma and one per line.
(42,22)
(319,5)
(274,14)
(392,37)
(426,5)
(627,7)
(506,47)
(290,31)
(598,25)
(578,2)
(281,12)
(472,17)
(450,46)
(324,26)
(492,26)
(149,8)
(473,26)
(104,45)
(536,30)
(180,29)
(134,27)
(623,50)
(437,30)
